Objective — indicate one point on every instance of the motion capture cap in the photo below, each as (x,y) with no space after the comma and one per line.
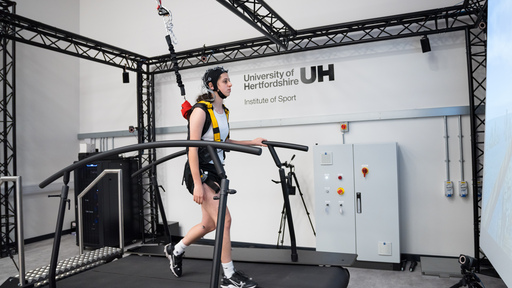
(213,75)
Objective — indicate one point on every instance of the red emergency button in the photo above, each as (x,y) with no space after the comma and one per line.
(365,171)
(344,127)
(341,191)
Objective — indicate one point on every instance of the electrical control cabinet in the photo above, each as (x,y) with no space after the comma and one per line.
(356,200)
(100,205)
(335,213)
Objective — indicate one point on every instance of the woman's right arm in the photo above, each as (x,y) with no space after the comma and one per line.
(196,123)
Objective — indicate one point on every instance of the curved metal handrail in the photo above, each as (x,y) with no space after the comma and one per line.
(272,144)
(286,145)
(65,172)
(159,161)
(157,144)
(210,145)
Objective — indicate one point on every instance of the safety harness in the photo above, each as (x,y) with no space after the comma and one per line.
(204,155)
(208,109)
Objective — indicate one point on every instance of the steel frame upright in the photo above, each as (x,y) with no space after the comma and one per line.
(146,133)
(476,47)
(8,223)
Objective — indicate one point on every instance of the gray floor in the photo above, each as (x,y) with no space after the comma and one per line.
(38,255)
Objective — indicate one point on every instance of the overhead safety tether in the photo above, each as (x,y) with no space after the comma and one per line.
(171,38)
(167,17)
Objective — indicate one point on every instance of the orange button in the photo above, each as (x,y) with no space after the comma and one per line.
(365,171)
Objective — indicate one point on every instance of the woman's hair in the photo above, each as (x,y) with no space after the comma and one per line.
(205,97)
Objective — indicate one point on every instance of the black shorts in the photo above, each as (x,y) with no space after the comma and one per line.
(208,174)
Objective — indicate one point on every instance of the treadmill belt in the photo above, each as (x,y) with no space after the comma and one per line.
(143,271)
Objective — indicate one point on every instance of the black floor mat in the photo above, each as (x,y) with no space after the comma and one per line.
(148,272)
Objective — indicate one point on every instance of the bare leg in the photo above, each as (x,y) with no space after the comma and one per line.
(210,208)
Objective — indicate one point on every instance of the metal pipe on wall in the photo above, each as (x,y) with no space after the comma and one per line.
(461,160)
(448,184)
(463,185)
(447,153)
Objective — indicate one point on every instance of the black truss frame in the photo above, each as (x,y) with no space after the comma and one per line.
(25,30)
(443,20)
(263,18)
(8,166)
(476,58)
(280,39)
(146,134)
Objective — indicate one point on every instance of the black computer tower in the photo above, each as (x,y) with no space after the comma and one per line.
(100,205)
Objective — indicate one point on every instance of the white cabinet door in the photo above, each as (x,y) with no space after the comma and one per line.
(376,188)
(334,199)
(356,200)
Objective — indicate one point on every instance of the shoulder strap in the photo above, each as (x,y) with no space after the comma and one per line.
(207,121)
(215,124)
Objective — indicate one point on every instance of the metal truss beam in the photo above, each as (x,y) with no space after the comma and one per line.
(37,34)
(476,40)
(20,29)
(263,18)
(477,55)
(146,133)
(8,225)
(393,27)
(456,18)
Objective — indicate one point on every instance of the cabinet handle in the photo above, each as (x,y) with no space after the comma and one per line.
(359,204)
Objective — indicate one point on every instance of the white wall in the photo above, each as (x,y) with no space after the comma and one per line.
(376,84)
(430,223)
(47,97)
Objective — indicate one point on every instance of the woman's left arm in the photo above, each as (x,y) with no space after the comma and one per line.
(255,142)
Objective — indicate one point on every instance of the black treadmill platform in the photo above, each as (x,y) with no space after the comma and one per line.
(259,255)
(149,271)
